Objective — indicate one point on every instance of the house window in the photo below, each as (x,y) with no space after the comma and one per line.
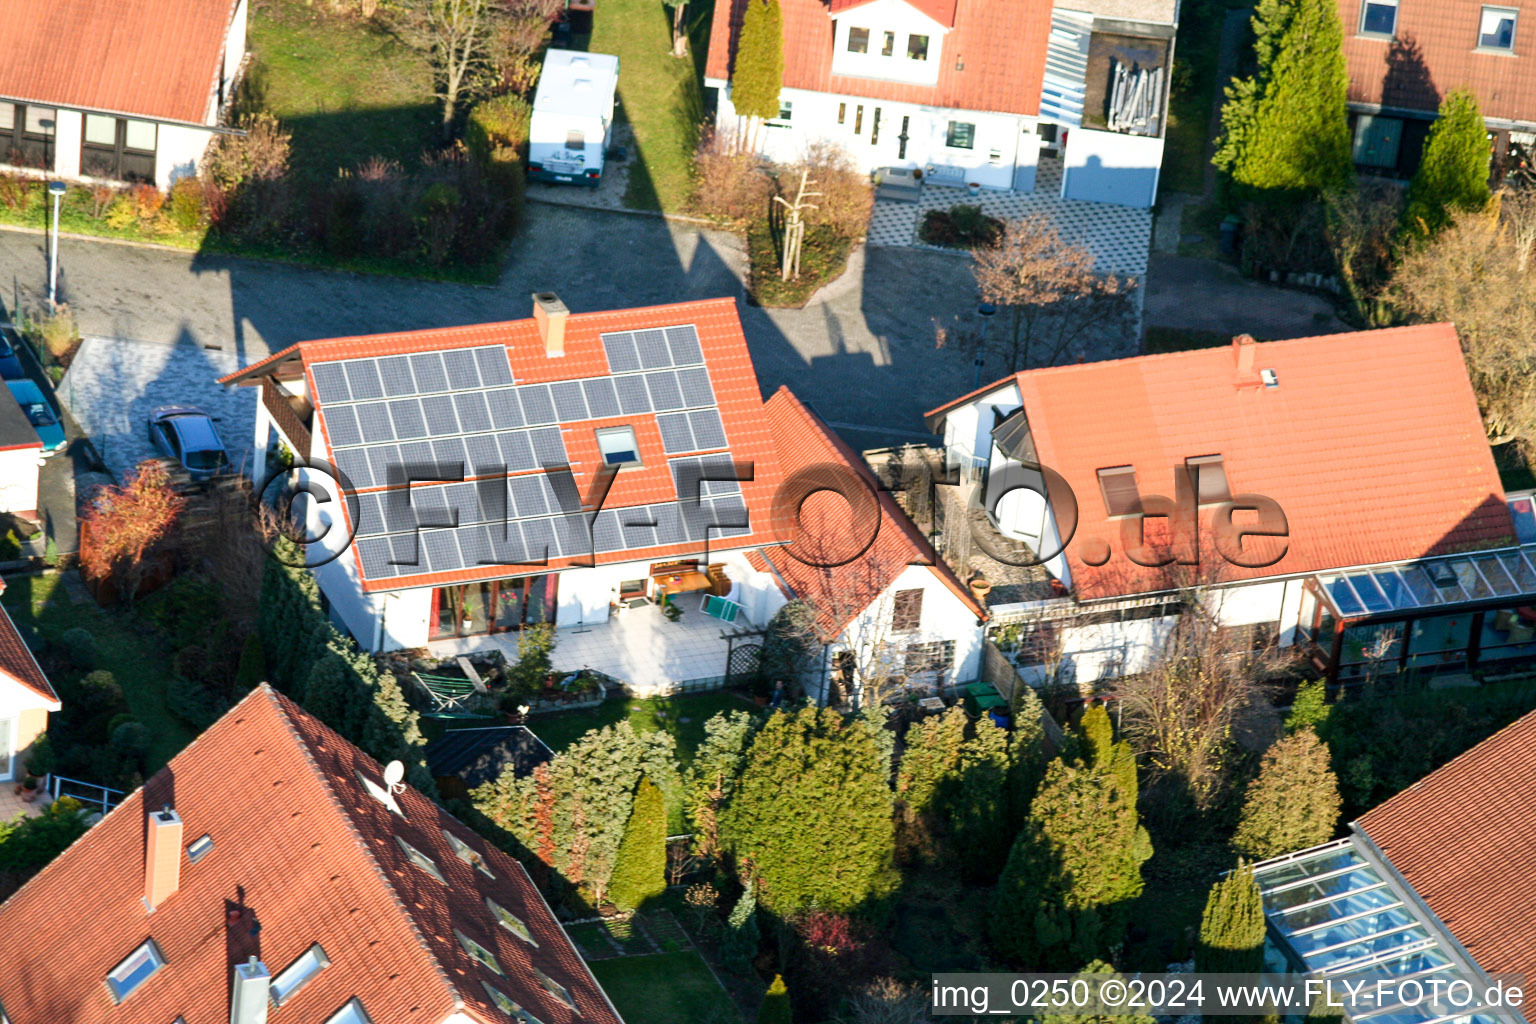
(1377,140)
(118,148)
(934,656)
(467,854)
(137,968)
(310,963)
(1378,18)
(960,135)
(504,1002)
(510,921)
(556,989)
(858,40)
(575,140)
(26,135)
(199,848)
(618,446)
(352,1013)
(1210,479)
(874,128)
(786,110)
(842,112)
(478,952)
(1497,29)
(917,47)
(858,119)
(888,44)
(421,860)
(907,611)
(1118,486)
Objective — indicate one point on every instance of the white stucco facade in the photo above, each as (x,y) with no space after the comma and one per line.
(18,480)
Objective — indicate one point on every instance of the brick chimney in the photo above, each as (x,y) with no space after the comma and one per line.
(162,857)
(1243,349)
(550,315)
(248,996)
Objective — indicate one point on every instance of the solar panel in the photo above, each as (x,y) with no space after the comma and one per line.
(384,462)
(475,547)
(602,400)
(633,397)
(474,415)
(449,454)
(562,491)
(462,372)
(494,367)
(528,496)
(506,411)
(695,385)
(696,519)
(675,433)
(373,423)
(406,416)
(331,383)
(395,372)
(669,524)
(665,394)
(549,446)
(421,464)
(652,346)
(463,499)
(399,516)
(363,380)
(622,357)
(370,515)
(731,516)
(341,425)
(569,403)
(719,475)
(491,500)
(539,534)
(684,343)
(375,556)
(484,454)
(708,431)
(517,451)
(607,535)
(353,465)
(442,550)
(686,477)
(537,406)
(432,507)
(442,421)
(571,532)
(638,526)
(430,376)
(507,546)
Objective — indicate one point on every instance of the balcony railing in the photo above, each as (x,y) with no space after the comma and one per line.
(279,404)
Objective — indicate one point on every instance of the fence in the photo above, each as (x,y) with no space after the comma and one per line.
(88,793)
(999,671)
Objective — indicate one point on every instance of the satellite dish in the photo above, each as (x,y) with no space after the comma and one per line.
(394,772)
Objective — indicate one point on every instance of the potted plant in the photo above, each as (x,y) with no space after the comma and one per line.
(671,611)
(973,187)
(29,789)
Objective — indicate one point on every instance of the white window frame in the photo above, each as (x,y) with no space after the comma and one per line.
(199,848)
(470,946)
(511,922)
(1195,465)
(949,134)
(848,45)
(352,1012)
(421,860)
(1365,7)
(603,432)
(1483,13)
(313,955)
(147,947)
(557,990)
(468,854)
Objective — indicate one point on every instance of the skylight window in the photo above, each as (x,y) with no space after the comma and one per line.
(556,989)
(618,445)
(310,963)
(352,1013)
(510,921)
(421,860)
(1210,479)
(507,1005)
(137,968)
(478,952)
(1496,28)
(467,854)
(199,848)
(1118,486)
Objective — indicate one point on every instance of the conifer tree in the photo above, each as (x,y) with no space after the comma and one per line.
(758,75)
(640,869)
(1286,129)
(979,807)
(1453,173)
(812,814)
(775,1008)
(931,759)
(1068,1017)
(1232,926)
(1294,801)
(1027,755)
(712,776)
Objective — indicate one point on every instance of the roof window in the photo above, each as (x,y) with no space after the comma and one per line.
(510,921)
(556,989)
(310,963)
(1118,486)
(618,446)
(421,860)
(137,968)
(199,848)
(478,952)
(352,1013)
(467,854)
(1210,479)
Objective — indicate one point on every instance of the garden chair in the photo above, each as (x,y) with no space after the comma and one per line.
(721,608)
(448,695)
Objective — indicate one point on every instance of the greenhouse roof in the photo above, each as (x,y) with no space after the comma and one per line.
(1432,583)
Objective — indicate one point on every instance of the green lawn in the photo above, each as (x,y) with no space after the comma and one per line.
(661,96)
(672,987)
(347,92)
(121,648)
(683,717)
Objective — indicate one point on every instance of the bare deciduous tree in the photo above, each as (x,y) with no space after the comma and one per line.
(455,36)
(1050,291)
(1360,225)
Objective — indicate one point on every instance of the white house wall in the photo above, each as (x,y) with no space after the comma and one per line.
(1111,167)
(68,133)
(944,617)
(18,480)
(1101,651)
(901,19)
(178,151)
(234,50)
(1263,602)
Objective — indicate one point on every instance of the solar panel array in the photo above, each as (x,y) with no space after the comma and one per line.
(389,417)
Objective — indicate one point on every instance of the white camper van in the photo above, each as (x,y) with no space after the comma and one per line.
(572,114)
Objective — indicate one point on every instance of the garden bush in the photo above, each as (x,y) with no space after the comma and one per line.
(823,258)
(194,703)
(498,123)
(729,186)
(962,226)
(187,204)
(846,194)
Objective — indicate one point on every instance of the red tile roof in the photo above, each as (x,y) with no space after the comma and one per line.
(732,376)
(17,662)
(308,855)
(994,57)
(148,58)
(1465,838)
(941,11)
(1435,52)
(844,568)
(1372,445)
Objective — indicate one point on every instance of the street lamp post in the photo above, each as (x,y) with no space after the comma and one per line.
(986,311)
(56,190)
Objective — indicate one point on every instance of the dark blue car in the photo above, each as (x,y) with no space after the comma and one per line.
(10,362)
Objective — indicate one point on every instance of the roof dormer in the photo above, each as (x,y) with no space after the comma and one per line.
(893,40)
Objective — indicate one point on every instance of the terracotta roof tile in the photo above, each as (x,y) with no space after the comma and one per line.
(1371,444)
(994,57)
(1435,52)
(151,58)
(17,662)
(941,11)
(843,567)
(305,851)
(1463,837)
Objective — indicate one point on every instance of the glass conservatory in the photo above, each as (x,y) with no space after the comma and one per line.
(1335,912)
